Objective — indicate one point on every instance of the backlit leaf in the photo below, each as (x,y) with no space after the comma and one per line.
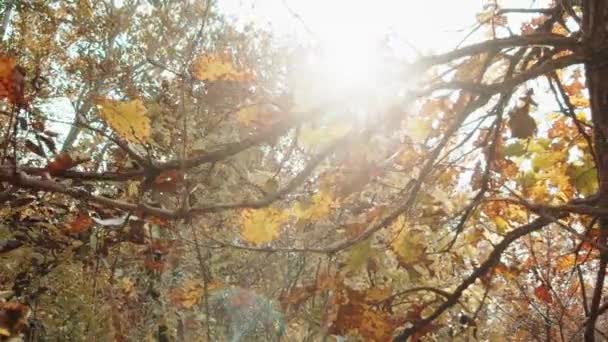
(585,179)
(515,149)
(408,245)
(128,118)
(317,207)
(566,262)
(419,129)
(501,225)
(256,116)
(213,67)
(260,226)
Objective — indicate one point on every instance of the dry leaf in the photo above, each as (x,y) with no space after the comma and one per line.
(521,124)
(81,223)
(62,162)
(11,80)
(542,293)
(13,319)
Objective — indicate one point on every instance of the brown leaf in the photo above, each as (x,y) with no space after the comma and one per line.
(12,78)
(521,124)
(34,148)
(167,181)
(13,318)
(373,323)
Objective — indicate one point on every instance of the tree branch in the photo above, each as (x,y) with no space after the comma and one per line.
(493,260)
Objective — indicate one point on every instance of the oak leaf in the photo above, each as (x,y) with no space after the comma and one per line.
(81,223)
(262,225)
(352,312)
(566,262)
(319,206)
(190,293)
(215,67)
(256,116)
(128,118)
(408,244)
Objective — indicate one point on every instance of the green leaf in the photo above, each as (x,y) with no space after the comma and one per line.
(501,225)
(515,150)
(585,180)
(359,255)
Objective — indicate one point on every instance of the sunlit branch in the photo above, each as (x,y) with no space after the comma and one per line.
(236,147)
(292,185)
(510,83)
(408,204)
(24,180)
(552,213)
(541,39)
(440,292)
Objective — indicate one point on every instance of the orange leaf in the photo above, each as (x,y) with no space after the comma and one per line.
(574,88)
(62,162)
(167,181)
(81,223)
(11,80)
(188,295)
(542,293)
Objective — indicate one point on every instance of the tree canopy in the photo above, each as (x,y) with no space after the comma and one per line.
(170,174)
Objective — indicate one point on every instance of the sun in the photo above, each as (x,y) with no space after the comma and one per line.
(351,38)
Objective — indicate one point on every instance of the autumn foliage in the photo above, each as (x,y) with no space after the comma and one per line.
(169,174)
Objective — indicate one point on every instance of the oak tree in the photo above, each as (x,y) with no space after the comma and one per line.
(167,174)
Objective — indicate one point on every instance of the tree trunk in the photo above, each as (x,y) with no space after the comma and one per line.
(595,36)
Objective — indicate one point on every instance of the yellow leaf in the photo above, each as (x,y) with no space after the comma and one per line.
(213,67)
(419,128)
(319,206)
(262,225)
(474,236)
(501,225)
(127,118)
(579,101)
(408,244)
(566,262)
